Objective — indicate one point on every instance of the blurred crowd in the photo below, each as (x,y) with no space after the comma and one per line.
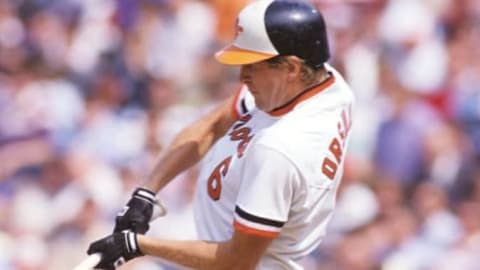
(91,92)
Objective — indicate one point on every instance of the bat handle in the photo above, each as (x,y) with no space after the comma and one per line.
(90,262)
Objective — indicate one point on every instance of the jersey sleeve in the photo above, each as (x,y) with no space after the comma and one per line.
(243,102)
(266,192)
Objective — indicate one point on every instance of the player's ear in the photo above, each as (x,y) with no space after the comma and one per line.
(294,67)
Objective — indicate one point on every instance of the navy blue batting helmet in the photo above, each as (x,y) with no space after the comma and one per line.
(267,28)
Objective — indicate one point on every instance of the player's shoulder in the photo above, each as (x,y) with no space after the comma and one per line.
(313,121)
(243,102)
(339,93)
(291,135)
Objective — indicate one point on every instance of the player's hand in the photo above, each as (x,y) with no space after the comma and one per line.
(137,213)
(116,249)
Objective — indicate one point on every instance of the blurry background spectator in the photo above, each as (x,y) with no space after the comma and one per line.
(92,91)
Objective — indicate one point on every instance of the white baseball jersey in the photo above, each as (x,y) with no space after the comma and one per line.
(276,174)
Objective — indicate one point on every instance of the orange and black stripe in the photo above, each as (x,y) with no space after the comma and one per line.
(248,230)
(276,225)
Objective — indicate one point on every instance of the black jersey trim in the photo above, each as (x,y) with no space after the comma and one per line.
(245,215)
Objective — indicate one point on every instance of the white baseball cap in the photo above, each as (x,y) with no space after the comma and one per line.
(267,28)
(251,42)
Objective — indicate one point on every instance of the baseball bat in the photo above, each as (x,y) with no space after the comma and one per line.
(90,262)
(93,259)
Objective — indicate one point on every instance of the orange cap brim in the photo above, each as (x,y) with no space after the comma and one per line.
(232,55)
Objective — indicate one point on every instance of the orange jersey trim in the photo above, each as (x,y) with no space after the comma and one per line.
(235,113)
(251,231)
(304,96)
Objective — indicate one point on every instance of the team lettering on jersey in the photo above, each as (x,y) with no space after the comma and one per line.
(240,132)
(329,166)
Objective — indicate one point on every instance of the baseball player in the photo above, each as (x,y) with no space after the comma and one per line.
(273,153)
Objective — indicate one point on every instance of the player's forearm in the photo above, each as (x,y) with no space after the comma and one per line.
(190,146)
(187,149)
(193,254)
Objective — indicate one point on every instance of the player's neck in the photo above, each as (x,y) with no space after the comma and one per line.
(302,89)
(320,77)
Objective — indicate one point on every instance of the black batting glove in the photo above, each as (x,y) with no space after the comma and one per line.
(137,213)
(116,249)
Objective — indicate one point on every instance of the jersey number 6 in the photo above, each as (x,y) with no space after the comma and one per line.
(215,180)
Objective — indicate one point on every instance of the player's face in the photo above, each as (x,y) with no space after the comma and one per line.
(267,83)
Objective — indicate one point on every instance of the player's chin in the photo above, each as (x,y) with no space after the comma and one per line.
(261,106)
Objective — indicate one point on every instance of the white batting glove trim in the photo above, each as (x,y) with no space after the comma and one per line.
(131,242)
(145,194)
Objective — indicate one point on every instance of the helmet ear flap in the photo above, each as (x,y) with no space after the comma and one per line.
(298,28)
